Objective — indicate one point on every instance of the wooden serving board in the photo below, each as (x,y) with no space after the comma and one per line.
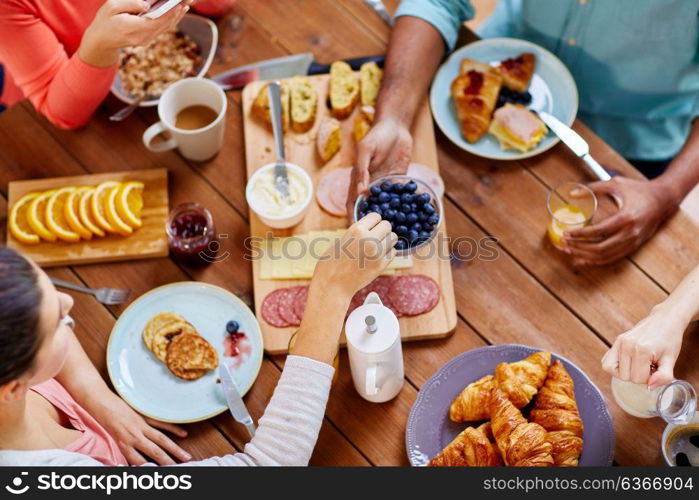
(148,241)
(301,150)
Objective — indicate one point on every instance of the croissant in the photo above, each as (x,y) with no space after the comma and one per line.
(520,381)
(475,92)
(556,411)
(471,448)
(517,72)
(473,402)
(521,443)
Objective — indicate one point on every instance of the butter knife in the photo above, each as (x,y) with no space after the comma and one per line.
(380,9)
(235,401)
(575,143)
(281,177)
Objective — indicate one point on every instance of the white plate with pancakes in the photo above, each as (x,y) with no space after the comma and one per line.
(552,88)
(147,384)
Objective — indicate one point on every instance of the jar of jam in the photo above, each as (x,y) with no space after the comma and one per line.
(192,235)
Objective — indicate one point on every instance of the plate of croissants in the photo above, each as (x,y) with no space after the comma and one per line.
(486,96)
(510,405)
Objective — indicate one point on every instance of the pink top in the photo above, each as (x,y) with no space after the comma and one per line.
(94,442)
(40,39)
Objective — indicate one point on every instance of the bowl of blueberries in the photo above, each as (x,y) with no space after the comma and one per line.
(410,205)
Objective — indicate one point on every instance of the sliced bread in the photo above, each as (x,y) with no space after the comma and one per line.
(370,76)
(344,90)
(304,102)
(261,108)
(329,138)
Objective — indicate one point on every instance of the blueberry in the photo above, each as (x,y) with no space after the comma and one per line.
(424,235)
(412,235)
(428,208)
(374,208)
(386,186)
(406,208)
(416,227)
(375,190)
(384,197)
(361,215)
(527,97)
(384,207)
(388,214)
(363,206)
(373,200)
(232,326)
(413,206)
(394,203)
(401,244)
(423,198)
(433,219)
(398,188)
(393,226)
(407,198)
(401,229)
(426,226)
(399,217)
(422,216)
(411,218)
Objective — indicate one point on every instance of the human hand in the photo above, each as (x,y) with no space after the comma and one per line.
(647,353)
(385,150)
(117,25)
(360,256)
(137,436)
(644,205)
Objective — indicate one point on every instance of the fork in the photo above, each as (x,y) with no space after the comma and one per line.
(107,296)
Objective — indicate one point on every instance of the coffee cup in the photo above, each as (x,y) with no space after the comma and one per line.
(200,135)
(680,443)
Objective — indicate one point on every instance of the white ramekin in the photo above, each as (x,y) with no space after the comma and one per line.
(286,220)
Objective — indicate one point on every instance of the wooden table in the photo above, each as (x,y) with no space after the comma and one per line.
(528,295)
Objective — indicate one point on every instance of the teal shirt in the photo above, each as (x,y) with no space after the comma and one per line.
(636,62)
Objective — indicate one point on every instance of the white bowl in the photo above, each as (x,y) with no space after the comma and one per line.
(287,220)
(204,33)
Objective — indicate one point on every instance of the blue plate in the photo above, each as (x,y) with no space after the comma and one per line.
(552,88)
(145,383)
(429,428)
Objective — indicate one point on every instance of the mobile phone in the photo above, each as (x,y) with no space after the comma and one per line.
(160,7)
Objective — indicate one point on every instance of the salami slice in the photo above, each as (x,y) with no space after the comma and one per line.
(270,309)
(415,294)
(382,286)
(429,176)
(300,302)
(332,191)
(286,305)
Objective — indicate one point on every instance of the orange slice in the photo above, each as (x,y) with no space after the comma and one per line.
(129,203)
(84,198)
(36,216)
(56,215)
(110,211)
(97,205)
(19,223)
(72,214)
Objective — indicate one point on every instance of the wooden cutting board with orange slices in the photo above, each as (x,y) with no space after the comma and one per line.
(123,218)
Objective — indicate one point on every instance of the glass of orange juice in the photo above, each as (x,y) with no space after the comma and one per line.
(571,206)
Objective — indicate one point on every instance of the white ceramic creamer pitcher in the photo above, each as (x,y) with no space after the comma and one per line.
(375,350)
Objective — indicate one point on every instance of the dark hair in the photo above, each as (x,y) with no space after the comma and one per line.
(20,303)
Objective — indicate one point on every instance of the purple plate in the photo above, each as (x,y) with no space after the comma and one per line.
(429,428)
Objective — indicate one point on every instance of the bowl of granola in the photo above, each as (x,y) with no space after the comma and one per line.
(185,52)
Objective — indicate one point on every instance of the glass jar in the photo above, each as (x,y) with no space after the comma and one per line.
(675,402)
(192,235)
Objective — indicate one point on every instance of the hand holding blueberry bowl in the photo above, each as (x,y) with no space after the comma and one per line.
(410,205)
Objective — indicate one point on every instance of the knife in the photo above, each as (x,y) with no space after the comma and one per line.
(281,179)
(380,9)
(282,67)
(235,401)
(575,143)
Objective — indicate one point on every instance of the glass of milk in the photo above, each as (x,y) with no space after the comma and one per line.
(675,402)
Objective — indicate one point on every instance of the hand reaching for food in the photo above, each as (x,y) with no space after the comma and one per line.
(118,24)
(385,150)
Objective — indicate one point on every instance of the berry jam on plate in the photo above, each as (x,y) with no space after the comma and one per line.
(408,204)
(191,235)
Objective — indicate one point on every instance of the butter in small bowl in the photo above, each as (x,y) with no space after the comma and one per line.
(270,205)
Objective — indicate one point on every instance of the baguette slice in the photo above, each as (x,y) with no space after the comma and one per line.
(304,102)
(363,121)
(344,90)
(370,76)
(261,107)
(329,138)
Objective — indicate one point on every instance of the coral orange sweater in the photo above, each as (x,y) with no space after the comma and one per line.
(38,49)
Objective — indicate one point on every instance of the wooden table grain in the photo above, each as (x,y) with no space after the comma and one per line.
(528,295)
